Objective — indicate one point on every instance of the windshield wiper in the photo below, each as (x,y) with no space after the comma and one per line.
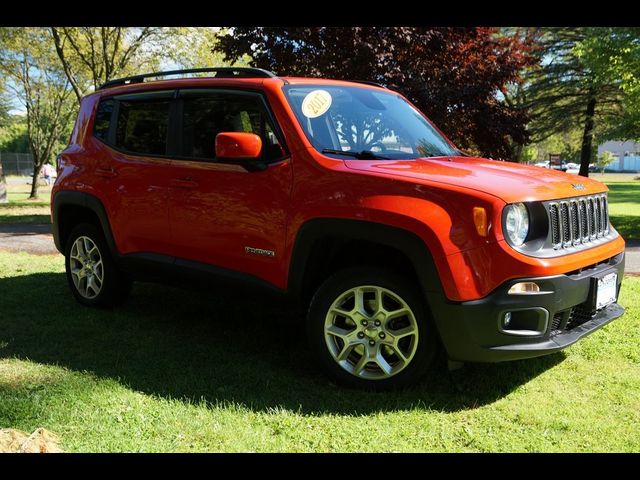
(363,155)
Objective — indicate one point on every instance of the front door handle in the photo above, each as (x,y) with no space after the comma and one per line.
(106,172)
(187,183)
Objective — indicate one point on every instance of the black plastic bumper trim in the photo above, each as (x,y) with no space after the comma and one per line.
(470,330)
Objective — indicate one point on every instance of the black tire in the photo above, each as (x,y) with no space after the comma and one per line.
(343,281)
(116,285)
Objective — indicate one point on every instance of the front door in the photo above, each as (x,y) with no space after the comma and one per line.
(220,213)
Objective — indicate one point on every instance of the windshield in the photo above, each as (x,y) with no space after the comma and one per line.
(363,123)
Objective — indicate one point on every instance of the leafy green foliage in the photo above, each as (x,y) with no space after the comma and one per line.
(39,83)
(192,47)
(13,134)
(565,92)
(565,143)
(5,104)
(90,56)
(613,56)
(605,159)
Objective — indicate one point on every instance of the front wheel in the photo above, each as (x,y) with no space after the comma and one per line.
(369,329)
(91,272)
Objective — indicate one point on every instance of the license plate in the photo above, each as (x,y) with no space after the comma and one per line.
(606,293)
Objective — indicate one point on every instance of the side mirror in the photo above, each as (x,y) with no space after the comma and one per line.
(238,146)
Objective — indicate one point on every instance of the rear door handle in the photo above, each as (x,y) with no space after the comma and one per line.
(183,183)
(106,172)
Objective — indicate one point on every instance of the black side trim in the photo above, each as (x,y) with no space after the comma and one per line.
(81,199)
(171,270)
(327,228)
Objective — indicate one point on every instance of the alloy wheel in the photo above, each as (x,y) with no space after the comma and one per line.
(87,268)
(371,332)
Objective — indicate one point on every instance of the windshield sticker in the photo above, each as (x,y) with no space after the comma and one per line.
(316,103)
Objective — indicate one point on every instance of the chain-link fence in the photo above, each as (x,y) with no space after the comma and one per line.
(17,163)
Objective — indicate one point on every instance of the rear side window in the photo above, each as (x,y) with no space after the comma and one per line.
(142,126)
(103,119)
(207,114)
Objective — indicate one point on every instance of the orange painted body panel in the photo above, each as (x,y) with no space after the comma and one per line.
(215,220)
(209,212)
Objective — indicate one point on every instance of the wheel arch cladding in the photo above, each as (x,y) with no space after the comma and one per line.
(71,208)
(320,241)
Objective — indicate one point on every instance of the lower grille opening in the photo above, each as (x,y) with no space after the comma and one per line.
(579,314)
(557,320)
(567,320)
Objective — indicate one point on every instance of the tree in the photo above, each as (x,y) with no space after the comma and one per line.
(91,56)
(566,143)
(3,187)
(605,159)
(5,104)
(40,85)
(613,55)
(192,47)
(454,75)
(4,116)
(565,91)
(13,134)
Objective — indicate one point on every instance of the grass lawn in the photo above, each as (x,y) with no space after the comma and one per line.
(21,209)
(176,370)
(624,207)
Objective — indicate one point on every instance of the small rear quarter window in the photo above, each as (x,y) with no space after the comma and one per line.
(103,119)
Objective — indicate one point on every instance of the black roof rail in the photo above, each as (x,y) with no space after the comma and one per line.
(221,72)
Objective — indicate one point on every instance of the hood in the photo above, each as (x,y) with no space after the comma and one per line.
(511,182)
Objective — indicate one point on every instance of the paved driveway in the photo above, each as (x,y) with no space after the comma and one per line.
(24,237)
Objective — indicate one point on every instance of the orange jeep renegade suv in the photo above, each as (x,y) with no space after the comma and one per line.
(348,199)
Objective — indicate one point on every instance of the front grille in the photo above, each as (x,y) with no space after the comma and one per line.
(578,220)
(554,220)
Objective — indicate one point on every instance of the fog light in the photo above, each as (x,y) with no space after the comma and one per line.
(507,319)
(524,288)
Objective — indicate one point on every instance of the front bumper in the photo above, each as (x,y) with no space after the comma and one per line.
(473,331)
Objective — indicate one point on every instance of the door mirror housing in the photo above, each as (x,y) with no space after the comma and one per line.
(238,146)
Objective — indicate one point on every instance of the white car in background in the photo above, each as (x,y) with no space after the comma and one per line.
(544,164)
(573,166)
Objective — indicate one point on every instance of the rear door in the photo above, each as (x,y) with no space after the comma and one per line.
(135,173)
(220,213)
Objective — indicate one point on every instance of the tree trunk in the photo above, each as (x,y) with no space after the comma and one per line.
(517,153)
(35,183)
(3,187)
(587,137)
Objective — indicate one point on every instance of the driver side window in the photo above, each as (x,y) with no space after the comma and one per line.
(205,114)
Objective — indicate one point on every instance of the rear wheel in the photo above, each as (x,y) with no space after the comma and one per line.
(369,329)
(92,275)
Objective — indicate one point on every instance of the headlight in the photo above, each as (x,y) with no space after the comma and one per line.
(517,223)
